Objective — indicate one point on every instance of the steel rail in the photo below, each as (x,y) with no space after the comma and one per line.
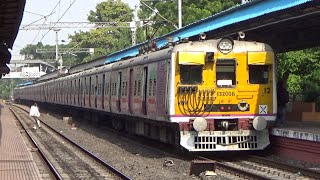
(290,168)
(229,168)
(101,161)
(46,160)
(241,173)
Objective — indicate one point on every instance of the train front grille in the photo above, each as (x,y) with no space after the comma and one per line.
(211,142)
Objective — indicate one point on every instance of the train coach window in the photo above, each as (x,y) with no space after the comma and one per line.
(154,86)
(258,74)
(126,89)
(150,86)
(226,72)
(135,88)
(191,74)
(139,87)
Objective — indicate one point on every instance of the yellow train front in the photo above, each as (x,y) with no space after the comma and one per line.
(223,94)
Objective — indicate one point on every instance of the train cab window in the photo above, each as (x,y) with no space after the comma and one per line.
(191,74)
(259,74)
(226,73)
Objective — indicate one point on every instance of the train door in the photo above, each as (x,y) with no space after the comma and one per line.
(60,92)
(45,92)
(54,91)
(63,93)
(103,89)
(69,93)
(130,90)
(40,94)
(145,88)
(110,89)
(119,92)
(74,92)
(55,87)
(90,91)
(85,92)
(96,90)
(79,91)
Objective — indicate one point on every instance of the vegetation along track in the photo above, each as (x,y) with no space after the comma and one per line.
(253,167)
(70,160)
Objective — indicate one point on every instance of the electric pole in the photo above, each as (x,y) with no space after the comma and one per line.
(180,13)
(57,49)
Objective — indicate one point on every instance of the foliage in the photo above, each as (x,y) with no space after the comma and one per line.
(6,87)
(304,69)
(30,53)
(111,11)
(105,40)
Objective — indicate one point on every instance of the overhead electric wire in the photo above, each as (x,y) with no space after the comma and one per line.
(58,19)
(157,12)
(44,17)
(45,21)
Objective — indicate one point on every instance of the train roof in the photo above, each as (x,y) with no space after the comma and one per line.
(212,46)
(25,83)
(87,65)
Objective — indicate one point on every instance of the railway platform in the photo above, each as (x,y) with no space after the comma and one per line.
(308,131)
(16,160)
(302,122)
(298,141)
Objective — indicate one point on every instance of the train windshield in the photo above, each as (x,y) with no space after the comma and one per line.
(259,74)
(226,73)
(191,74)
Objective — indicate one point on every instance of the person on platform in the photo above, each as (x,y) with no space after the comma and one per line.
(283,99)
(34,112)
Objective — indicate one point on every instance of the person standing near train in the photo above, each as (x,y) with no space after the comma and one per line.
(283,99)
(34,112)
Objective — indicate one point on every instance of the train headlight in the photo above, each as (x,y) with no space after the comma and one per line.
(243,105)
(200,124)
(225,45)
(259,123)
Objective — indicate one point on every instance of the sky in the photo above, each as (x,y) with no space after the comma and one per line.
(35,10)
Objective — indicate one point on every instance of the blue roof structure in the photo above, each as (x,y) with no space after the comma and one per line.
(25,83)
(231,16)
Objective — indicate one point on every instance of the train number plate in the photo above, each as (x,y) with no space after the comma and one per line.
(226,93)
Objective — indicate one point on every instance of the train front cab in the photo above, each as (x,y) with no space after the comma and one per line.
(224,98)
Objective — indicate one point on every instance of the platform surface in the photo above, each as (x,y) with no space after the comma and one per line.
(309,131)
(16,161)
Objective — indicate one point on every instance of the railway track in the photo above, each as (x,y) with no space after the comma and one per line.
(254,167)
(247,167)
(65,158)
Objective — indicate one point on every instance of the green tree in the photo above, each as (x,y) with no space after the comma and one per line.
(30,53)
(304,69)
(105,40)
(6,87)
(111,11)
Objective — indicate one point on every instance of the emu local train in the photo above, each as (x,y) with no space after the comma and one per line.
(209,95)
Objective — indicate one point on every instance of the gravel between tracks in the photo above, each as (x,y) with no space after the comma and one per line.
(133,159)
